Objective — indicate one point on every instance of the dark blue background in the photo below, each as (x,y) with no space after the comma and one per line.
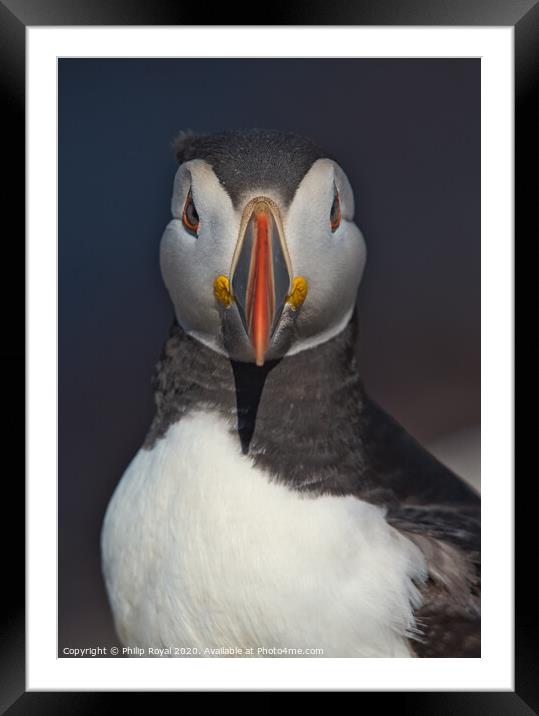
(407,132)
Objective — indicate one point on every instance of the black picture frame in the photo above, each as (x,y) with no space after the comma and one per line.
(15,16)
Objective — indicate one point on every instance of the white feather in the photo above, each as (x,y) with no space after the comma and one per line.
(202,551)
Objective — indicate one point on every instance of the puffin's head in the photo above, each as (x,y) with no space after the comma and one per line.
(262,257)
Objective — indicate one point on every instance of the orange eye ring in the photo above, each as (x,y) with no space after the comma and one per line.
(190,218)
(335,213)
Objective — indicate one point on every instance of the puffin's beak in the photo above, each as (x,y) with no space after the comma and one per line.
(261,273)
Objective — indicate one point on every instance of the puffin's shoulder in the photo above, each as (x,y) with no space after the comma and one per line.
(406,468)
(421,494)
(441,514)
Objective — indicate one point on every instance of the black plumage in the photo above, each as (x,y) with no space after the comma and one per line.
(250,159)
(308,422)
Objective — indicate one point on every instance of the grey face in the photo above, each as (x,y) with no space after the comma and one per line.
(256,270)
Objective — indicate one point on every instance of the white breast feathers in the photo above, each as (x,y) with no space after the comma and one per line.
(203,552)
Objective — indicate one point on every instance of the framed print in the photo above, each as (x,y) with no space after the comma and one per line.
(309,492)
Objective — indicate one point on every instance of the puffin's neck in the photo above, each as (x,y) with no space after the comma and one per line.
(297,417)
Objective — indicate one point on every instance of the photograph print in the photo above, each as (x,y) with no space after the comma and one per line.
(269,358)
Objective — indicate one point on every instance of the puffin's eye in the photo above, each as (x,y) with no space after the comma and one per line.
(335,214)
(190,216)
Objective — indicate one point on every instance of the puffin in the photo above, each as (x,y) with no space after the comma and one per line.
(274,508)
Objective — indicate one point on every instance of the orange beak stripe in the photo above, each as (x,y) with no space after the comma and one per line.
(260,290)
